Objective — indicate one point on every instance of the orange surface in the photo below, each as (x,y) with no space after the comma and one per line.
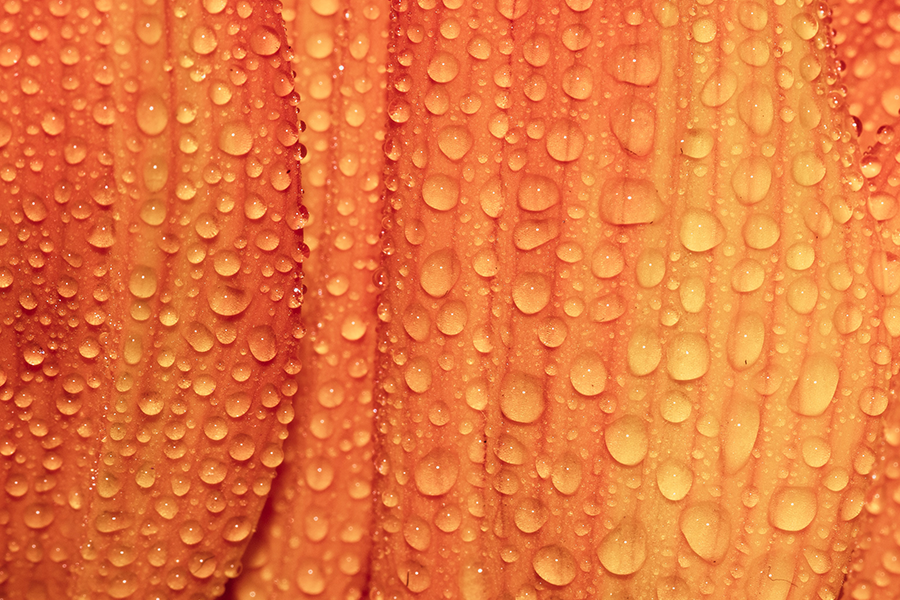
(599,300)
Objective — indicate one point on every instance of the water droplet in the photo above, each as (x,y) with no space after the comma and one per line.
(152,114)
(697,143)
(228,301)
(740,432)
(531,292)
(199,337)
(212,471)
(451,318)
(565,141)
(624,549)
(454,141)
(644,351)
(674,479)
(439,272)
(443,67)
(38,516)
(792,508)
(633,123)
(625,201)
(703,30)
(650,268)
(235,138)
(566,474)
(263,343)
(440,192)
(719,88)
(414,576)
(203,40)
(578,82)
(537,193)
(530,515)
(687,356)
(521,397)
(816,451)
(436,472)
(757,109)
(746,340)
(815,386)
(265,41)
(555,565)
(675,406)
(754,50)
(638,64)
(807,168)
(761,231)
(588,373)
(707,529)
(626,439)
(873,401)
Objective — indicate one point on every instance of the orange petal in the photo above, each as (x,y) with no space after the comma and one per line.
(150,290)
(632,356)
(315,536)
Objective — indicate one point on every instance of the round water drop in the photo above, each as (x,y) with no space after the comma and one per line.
(203,40)
(578,82)
(792,508)
(761,231)
(235,138)
(704,30)
(38,516)
(440,192)
(455,141)
(626,201)
(530,515)
(265,41)
(675,406)
(565,141)
(566,474)
(521,397)
(263,343)
(626,439)
(802,295)
(873,401)
(451,318)
(754,51)
(719,88)
(439,273)
(416,322)
(650,268)
(624,549)
(152,114)
(700,230)
(199,337)
(807,169)
(228,301)
(746,340)
(531,292)
(417,374)
(227,263)
(751,179)
(552,332)
(588,374)
(638,64)
(436,472)
(816,451)
(674,479)
(707,529)
(687,356)
(633,123)
(417,533)
(607,261)
(143,282)
(555,565)
(757,109)
(537,193)
(443,67)
(697,143)
(644,351)
(816,385)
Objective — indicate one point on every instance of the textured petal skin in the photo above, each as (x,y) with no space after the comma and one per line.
(151,255)
(314,538)
(620,425)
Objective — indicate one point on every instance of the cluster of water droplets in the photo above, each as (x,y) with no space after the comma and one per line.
(149,278)
(612,285)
